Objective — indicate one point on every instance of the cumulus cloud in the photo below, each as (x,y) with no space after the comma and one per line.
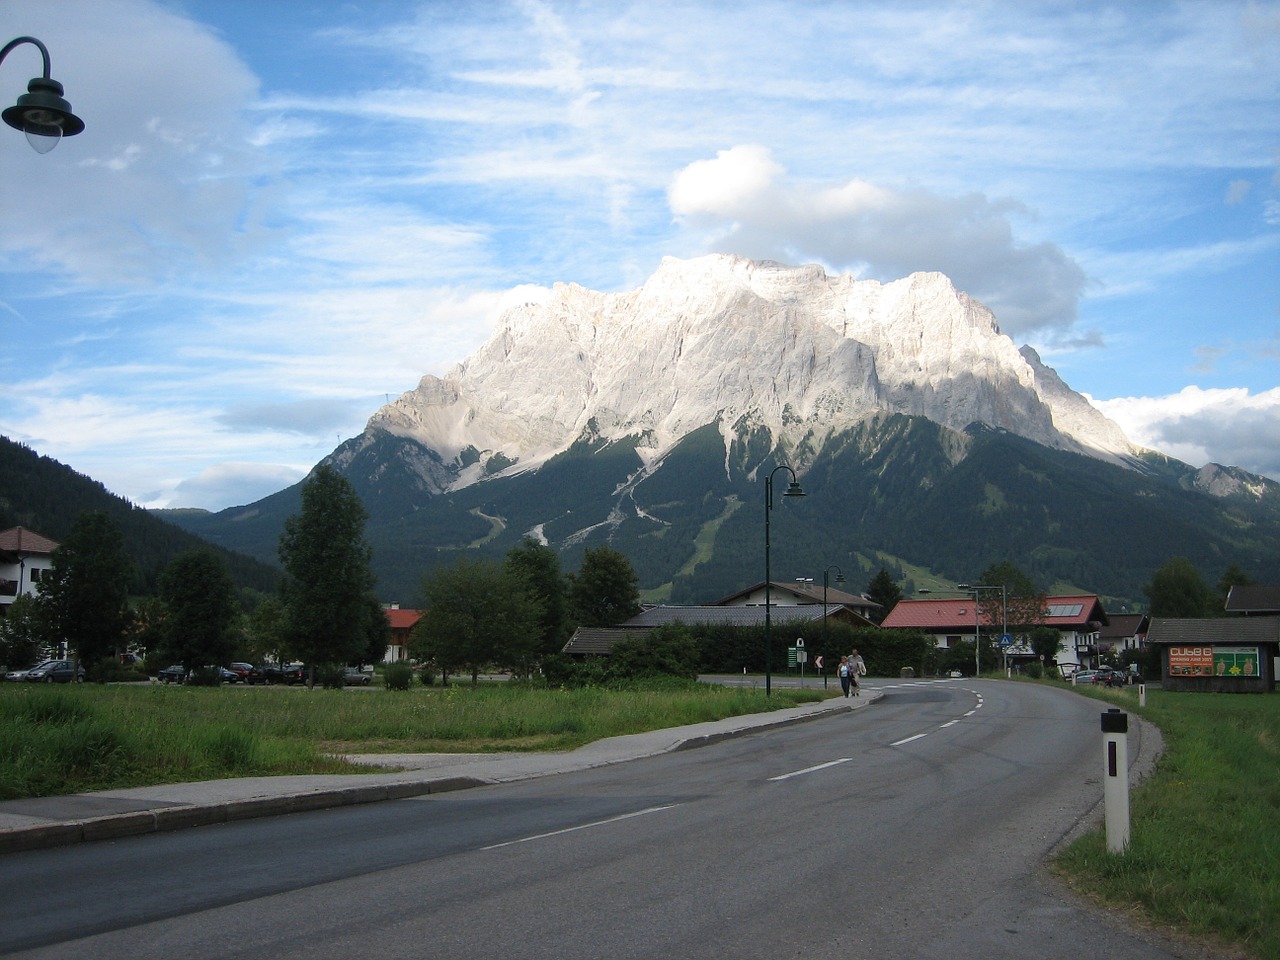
(745,204)
(1233,427)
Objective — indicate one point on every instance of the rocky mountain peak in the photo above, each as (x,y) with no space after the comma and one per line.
(717,339)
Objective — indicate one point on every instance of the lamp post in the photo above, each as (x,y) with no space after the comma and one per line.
(41,113)
(976,590)
(825,632)
(793,490)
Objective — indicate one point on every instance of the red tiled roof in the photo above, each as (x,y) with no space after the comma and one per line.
(403,619)
(959,615)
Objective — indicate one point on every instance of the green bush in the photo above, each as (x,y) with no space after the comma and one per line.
(330,676)
(397,676)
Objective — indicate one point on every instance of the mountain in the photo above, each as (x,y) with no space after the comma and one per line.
(648,419)
(46,496)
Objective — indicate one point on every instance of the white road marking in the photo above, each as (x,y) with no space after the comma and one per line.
(800,773)
(582,826)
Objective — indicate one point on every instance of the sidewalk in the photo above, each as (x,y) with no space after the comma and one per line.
(82,817)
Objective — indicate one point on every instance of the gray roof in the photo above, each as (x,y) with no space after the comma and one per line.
(1248,630)
(737,616)
(599,640)
(1254,598)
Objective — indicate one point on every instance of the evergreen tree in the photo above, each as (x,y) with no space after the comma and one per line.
(329,584)
(1177,590)
(885,591)
(84,599)
(200,610)
(604,592)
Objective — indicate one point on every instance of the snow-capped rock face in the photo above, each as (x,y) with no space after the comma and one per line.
(719,338)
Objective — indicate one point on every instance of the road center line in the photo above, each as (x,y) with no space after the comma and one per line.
(918,736)
(800,773)
(581,826)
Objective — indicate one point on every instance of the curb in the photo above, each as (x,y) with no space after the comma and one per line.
(167,818)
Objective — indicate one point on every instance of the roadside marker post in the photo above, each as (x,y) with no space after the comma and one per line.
(1115,778)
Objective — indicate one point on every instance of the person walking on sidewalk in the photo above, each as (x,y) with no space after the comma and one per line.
(857,669)
(844,675)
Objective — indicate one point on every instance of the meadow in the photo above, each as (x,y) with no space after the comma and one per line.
(59,740)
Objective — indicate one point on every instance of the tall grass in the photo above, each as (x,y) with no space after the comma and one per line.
(72,739)
(1204,851)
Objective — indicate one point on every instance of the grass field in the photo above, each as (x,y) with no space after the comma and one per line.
(1204,852)
(59,740)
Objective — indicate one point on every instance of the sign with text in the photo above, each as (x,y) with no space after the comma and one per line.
(1213,661)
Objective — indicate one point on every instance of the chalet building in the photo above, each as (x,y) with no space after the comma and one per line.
(1079,620)
(802,593)
(795,606)
(1254,600)
(402,624)
(25,558)
(1124,631)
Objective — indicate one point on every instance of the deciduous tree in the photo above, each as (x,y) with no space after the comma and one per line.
(200,610)
(604,591)
(1177,590)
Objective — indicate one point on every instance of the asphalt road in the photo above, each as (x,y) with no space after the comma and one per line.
(912,829)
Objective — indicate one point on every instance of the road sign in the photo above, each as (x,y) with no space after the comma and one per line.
(1006,640)
(799,641)
(817,661)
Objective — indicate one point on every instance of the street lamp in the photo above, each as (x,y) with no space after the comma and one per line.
(825,631)
(793,490)
(976,590)
(41,113)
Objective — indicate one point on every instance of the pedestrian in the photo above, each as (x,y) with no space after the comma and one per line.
(857,668)
(844,675)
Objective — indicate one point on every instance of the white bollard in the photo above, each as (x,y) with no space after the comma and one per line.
(1142,694)
(1115,778)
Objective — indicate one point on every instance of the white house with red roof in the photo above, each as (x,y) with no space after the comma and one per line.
(1079,620)
(25,558)
(402,623)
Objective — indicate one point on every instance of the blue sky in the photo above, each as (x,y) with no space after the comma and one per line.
(282,213)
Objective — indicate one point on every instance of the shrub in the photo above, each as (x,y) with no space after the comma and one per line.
(397,676)
(330,676)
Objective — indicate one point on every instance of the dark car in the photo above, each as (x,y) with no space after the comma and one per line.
(56,671)
(174,674)
(288,674)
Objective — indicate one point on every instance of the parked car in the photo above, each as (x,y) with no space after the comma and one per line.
(255,675)
(173,674)
(241,670)
(353,677)
(1085,676)
(56,671)
(288,674)
(17,674)
(1112,677)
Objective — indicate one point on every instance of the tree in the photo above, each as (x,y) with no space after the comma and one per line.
(21,632)
(378,634)
(200,610)
(883,590)
(1233,576)
(329,581)
(84,599)
(474,616)
(604,593)
(1020,608)
(539,567)
(1177,590)
(1045,643)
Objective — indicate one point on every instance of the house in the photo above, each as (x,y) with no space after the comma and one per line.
(1079,620)
(1217,655)
(599,641)
(402,623)
(1124,631)
(803,593)
(25,558)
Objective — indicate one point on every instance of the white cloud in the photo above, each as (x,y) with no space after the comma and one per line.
(235,483)
(1232,427)
(743,199)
